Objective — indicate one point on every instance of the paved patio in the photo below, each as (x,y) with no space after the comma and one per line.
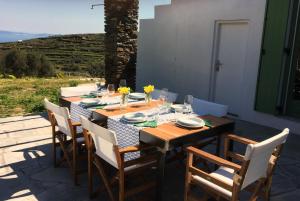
(26,171)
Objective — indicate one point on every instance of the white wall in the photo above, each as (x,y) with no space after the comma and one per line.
(175,50)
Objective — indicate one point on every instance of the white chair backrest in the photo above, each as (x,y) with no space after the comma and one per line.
(77,91)
(202,107)
(104,141)
(61,115)
(259,155)
(172,97)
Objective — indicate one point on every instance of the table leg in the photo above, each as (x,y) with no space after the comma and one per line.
(230,147)
(218,149)
(161,177)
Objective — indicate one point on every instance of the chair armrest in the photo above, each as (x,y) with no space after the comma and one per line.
(240,139)
(213,159)
(134,148)
(76,124)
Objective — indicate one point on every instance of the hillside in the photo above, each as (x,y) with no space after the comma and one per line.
(68,53)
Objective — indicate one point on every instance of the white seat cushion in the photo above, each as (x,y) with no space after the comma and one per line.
(139,165)
(224,174)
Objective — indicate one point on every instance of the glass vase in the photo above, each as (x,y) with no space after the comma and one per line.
(124,101)
(148,99)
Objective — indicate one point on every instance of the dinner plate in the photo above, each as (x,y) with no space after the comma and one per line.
(97,93)
(191,122)
(178,107)
(137,96)
(134,117)
(89,101)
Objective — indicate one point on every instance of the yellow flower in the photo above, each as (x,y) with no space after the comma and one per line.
(148,89)
(124,90)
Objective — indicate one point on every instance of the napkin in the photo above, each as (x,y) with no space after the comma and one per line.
(208,123)
(89,96)
(151,124)
(98,106)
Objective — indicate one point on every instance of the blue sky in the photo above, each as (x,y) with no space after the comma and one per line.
(60,16)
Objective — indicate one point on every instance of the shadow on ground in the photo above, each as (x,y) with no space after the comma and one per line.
(27,173)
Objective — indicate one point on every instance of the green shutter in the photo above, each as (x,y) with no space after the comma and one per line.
(272,55)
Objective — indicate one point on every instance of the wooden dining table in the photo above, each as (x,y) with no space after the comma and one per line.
(168,136)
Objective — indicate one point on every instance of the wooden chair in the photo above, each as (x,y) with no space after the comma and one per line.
(77,91)
(266,188)
(64,130)
(203,107)
(231,178)
(103,146)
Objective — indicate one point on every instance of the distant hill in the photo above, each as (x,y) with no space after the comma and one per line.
(8,36)
(68,53)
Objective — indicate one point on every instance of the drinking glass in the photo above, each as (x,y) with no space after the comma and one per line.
(102,82)
(178,114)
(188,101)
(104,92)
(98,86)
(122,83)
(163,95)
(111,89)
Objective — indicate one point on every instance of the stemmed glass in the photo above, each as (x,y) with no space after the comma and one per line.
(188,101)
(122,83)
(163,95)
(100,84)
(111,89)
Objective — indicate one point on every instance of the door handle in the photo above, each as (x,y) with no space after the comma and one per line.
(218,65)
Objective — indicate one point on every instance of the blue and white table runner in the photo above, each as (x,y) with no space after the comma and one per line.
(127,134)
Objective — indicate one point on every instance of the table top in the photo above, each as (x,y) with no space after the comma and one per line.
(167,131)
(115,110)
(170,131)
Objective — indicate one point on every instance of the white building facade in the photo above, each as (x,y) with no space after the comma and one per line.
(210,49)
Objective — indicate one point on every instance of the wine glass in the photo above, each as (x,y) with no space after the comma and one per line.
(98,86)
(163,95)
(122,83)
(102,82)
(111,89)
(188,101)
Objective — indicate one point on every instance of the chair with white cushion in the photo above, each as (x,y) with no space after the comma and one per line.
(64,129)
(231,178)
(77,91)
(102,144)
(171,96)
(203,107)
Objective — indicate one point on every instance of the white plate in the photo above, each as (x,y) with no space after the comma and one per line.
(89,101)
(136,96)
(191,122)
(178,107)
(97,93)
(135,117)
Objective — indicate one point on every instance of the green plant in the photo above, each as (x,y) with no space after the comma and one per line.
(15,63)
(20,64)
(23,96)
(96,69)
(47,68)
(73,83)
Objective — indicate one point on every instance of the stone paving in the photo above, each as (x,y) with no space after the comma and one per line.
(26,171)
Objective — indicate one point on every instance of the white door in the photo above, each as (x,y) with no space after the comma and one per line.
(230,53)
